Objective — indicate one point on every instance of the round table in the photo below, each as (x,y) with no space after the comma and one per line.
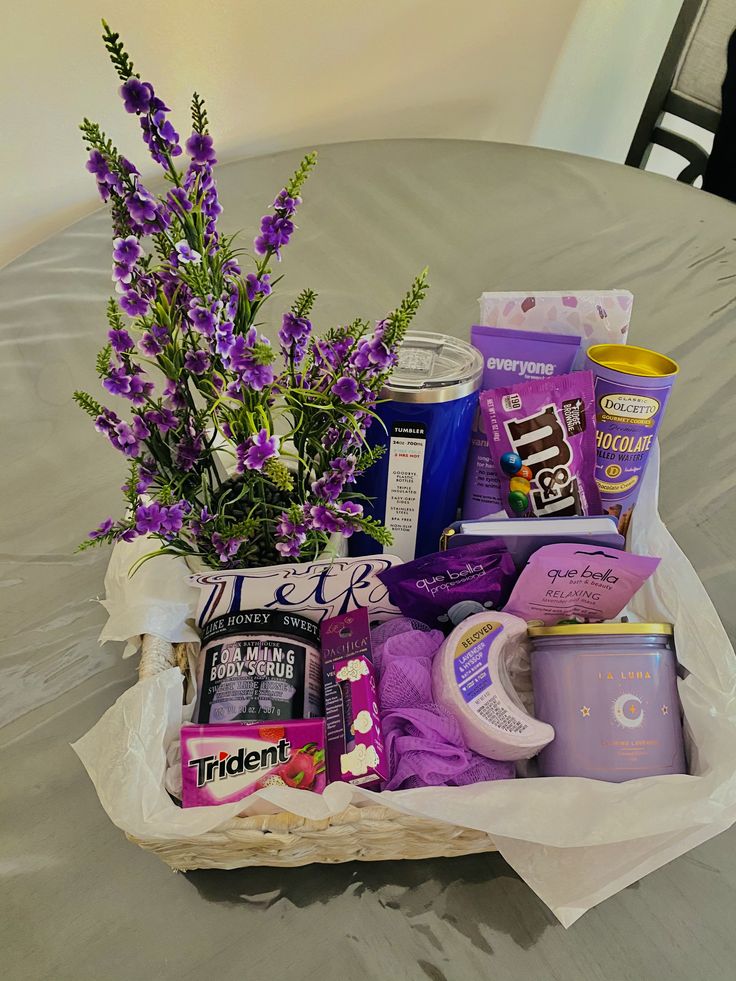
(86,904)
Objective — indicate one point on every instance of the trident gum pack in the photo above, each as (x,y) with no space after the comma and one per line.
(221,764)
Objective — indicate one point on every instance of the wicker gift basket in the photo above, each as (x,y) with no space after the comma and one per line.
(371,833)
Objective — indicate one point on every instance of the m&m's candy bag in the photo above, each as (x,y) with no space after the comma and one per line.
(541,435)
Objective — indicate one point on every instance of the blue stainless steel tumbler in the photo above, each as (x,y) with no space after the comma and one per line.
(427,413)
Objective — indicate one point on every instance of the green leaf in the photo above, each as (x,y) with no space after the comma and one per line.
(303,304)
(90,405)
(301,174)
(199,114)
(102,363)
(118,55)
(298,778)
(397,323)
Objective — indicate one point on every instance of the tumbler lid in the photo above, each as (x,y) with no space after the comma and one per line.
(434,368)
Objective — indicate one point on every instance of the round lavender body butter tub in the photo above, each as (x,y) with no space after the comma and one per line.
(610,691)
(259,666)
(632,385)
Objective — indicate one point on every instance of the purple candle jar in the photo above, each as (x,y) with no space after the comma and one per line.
(610,691)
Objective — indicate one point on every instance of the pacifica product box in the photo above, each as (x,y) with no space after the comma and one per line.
(355,749)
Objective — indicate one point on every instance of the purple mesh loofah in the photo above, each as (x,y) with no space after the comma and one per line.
(424,743)
(425,749)
(381,633)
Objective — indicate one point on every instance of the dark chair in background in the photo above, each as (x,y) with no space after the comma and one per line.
(688,85)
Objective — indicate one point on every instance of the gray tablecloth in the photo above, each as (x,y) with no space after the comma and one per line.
(85,903)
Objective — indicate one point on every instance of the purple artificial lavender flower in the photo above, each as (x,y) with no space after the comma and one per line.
(329,486)
(172,517)
(123,438)
(136,95)
(126,535)
(188,451)
(133,304)
(140,429)
(224,338)
(174,395)
(331,436)
(346,466)
(103,529)
(347,511)
(202,316)
(120,340)
(286,527)
(290,548)
(232,299)
(197,524)
(122,276)
(126,251)
(149,345)
(117,381)
(226,548)
(256,450)
(127,166)
(142,206)
(323,519)
(187,254)
(159,134)
(178,200)
(200,149)
(294,334)
(106,422)
(284,202)
(230,267)
(146,474)
(275,233)
(234,390)
(97,165)
(148,518)
(256,376)
(372,354)
(255,286)
(210,204)
(198,362)
(163,419)
(240,359)
(139,389)
(106,180)
(346,389)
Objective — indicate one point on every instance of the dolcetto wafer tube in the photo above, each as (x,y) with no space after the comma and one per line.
(632,385)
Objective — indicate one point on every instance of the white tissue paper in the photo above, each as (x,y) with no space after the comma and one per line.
(562,835)
(158,599)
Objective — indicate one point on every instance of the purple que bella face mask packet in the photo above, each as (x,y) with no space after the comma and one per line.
(542,439)
(508,356)
(444,588)
(578,582)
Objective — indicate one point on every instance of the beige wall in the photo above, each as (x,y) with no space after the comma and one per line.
(292,72)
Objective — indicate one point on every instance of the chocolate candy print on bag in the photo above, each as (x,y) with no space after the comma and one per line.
(542,438)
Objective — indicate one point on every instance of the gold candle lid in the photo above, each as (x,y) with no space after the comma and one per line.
(598,629)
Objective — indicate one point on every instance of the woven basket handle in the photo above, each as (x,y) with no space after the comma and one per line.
(159,655)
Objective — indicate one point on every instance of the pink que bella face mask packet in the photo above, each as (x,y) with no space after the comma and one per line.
(578,582)
(542,437)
